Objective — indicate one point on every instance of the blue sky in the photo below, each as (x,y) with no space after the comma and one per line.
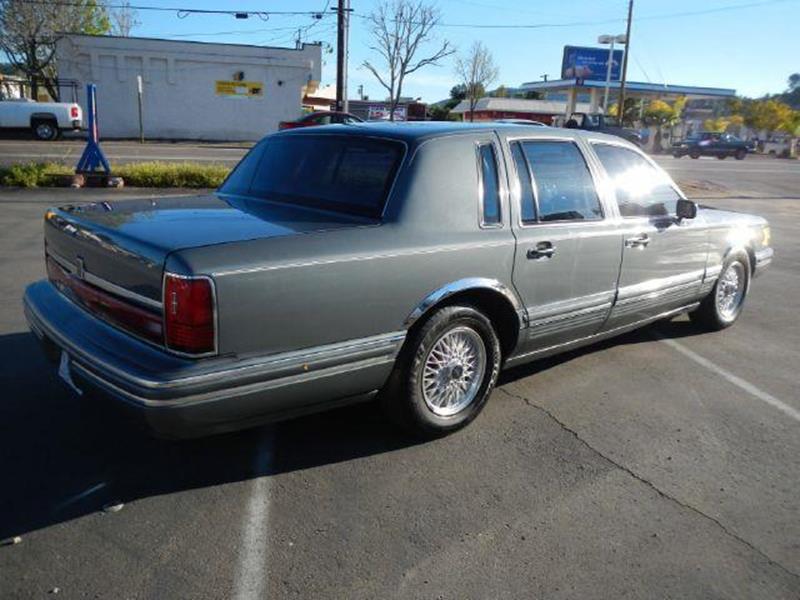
(751,46)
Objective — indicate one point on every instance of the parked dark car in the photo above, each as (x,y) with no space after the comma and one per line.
(321,118)
(409,262)
(603,124)
(709,143)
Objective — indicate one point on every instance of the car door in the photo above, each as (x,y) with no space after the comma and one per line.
(663,258)
(568,247)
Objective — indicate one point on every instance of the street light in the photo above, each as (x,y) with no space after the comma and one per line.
(610,39)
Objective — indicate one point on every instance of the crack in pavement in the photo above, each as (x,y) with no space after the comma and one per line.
(652,486)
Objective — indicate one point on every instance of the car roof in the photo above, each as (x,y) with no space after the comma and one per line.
(417,131)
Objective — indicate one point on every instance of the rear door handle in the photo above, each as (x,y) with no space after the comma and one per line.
(541,250)
(637,241)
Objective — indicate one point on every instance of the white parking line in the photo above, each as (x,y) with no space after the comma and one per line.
(72,499)
(251,573)
(734,379)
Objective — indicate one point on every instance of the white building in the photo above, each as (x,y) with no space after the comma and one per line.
(191,90)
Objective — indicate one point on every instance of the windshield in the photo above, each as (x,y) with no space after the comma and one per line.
(341,173)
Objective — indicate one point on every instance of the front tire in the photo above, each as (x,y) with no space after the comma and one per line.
(694,155)
(445,373)
(723,305)
(740,154)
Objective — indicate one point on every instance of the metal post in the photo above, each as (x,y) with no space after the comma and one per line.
(343,19)
(608,76)
(141,123)
(621,110)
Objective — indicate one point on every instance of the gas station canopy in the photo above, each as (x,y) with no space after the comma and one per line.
(572,88)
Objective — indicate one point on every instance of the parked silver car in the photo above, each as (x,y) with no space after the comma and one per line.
(411,262)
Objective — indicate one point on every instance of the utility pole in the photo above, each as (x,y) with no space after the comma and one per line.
(343,25)
(621,105)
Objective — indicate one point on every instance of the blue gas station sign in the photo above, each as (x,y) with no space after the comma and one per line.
(590,63)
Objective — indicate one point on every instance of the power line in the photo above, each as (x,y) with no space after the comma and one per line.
(183,12)
(607,21)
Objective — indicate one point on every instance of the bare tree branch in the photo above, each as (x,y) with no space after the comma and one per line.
(477,71)
(400,28)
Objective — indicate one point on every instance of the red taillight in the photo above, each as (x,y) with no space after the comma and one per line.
(189,314)
(74,112)
(139,321)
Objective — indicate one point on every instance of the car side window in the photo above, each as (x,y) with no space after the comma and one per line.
(641,189)
(562,182)
(526,199)
(490,185)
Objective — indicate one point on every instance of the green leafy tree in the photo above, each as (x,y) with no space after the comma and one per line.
(29,32)
(500,92)
(768,115)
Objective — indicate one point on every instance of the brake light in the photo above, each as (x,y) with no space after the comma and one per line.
(74,112)
(189,324)
(140,321)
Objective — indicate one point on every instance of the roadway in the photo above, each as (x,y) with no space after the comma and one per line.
(665,464)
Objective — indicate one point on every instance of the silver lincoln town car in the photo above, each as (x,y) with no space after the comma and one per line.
(406,262)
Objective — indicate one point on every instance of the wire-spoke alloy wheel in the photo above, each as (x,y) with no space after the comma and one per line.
(730,291)
(445,372)
(453,371)
(723,305)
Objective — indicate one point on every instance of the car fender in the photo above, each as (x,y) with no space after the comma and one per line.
(468,284)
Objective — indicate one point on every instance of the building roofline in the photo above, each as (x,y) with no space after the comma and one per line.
(181,41)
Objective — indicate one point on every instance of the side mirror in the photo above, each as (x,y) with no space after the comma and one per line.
(686,209)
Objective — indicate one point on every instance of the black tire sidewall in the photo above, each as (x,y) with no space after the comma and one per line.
(421,419)
(49,138)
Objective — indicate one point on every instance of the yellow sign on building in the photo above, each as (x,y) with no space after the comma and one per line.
(240,89)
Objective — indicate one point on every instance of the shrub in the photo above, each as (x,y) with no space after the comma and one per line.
(147,174)
(181,175)
(32,174)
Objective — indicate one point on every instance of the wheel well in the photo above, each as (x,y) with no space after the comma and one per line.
(43,117)
(494,305)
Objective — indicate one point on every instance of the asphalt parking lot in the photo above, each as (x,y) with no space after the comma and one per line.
(663,464)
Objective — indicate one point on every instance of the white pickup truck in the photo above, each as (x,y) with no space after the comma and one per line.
(46,120)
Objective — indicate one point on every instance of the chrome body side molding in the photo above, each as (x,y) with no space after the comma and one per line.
(516,360)
(462,285)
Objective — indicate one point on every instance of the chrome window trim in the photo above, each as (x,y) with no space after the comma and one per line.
(215,316)
(590,167)
(103,284)
(481,213)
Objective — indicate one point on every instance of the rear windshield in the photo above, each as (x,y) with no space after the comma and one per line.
(341,173)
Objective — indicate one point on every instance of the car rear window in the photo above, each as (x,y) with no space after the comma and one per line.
(341,173)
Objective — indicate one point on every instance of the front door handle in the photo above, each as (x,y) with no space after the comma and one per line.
(541,250)
(637,241)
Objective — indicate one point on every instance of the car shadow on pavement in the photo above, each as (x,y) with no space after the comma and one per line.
(63,457)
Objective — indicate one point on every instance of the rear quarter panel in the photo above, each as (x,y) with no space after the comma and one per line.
(308,290)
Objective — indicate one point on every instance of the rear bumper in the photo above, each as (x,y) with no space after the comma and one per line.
(77,124)
(763,260)
(179,397)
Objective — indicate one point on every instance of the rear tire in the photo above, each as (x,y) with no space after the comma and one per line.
(445,373)
(723,305)
(694,155)
(722,156)
(45,130)
(740,154)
